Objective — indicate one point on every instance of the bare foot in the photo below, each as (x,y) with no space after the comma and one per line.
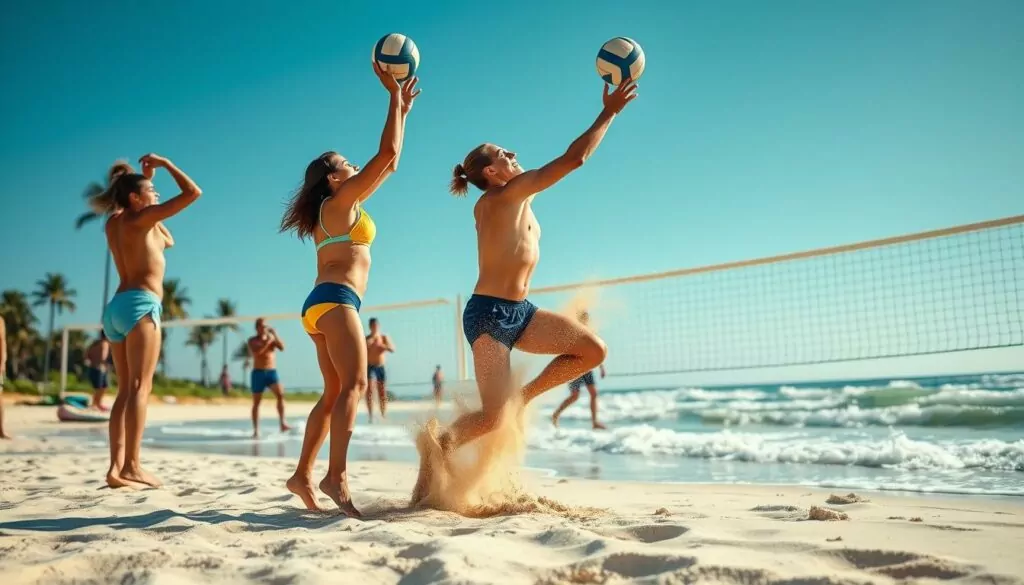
(141,476)
(339,493)
(426,445)
(255,434)
(285,428)
(554,420)
(5,436)
(303,487)
(115,481)
(599,427)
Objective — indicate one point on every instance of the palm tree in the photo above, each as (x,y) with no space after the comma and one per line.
(53,291)
(172,307)
(226,308)
(21,332)
(201,337)
(242,353)
(98,209)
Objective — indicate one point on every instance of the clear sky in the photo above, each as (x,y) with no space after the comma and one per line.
(761,128)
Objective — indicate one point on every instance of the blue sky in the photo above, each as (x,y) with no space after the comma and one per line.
(761,128)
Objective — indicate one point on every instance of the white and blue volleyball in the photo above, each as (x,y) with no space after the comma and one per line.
(398,55)
(620,58)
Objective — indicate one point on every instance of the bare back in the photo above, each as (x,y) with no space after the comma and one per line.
(138,252)
(508,245)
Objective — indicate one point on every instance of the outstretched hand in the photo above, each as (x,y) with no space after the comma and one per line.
(623,94)
(409,93)
(387,79)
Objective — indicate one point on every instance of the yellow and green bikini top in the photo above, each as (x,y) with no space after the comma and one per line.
(362,233)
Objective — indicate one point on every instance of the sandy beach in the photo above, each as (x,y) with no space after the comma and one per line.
(229,520)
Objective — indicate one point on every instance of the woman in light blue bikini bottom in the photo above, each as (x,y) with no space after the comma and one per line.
(131,320)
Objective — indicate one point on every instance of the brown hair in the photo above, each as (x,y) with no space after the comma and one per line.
(471,170)
(122,182)
(304,209)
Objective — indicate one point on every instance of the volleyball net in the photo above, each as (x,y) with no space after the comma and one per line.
(942,291)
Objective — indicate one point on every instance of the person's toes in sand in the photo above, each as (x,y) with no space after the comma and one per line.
(303,487)
(141,476)
(341,496)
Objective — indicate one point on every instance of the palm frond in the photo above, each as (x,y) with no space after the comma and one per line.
(86,218)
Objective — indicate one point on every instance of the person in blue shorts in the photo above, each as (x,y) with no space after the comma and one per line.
(97,356)
(498,317)
(587,380)
(264,346)
(378,345)
(137,239)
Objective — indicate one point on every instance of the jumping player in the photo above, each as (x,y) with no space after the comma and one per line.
(498,317)
(328,208)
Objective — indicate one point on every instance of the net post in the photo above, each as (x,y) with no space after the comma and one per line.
(63,362)
(460,347)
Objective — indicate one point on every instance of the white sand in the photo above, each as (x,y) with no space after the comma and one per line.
(230,520)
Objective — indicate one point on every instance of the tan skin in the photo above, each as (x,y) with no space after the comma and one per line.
(3,371)
(98,354)
(508,244)
(340,345)
(438,380)
(378,346)
(137,241)
(263,347)
(574,395)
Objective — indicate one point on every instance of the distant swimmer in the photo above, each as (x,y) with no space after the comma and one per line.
(498,317)
(587,380)
(438,380)
(378,346)
(264,347)
(97,356)
(328,208)
(137,239)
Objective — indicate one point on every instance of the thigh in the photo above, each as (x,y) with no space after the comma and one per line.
(492,366)
(346,345)
(553,334)
(143,349)
(119,352)
(277,389)
(332,385)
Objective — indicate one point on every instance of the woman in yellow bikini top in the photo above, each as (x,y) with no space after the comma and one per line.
(332,193)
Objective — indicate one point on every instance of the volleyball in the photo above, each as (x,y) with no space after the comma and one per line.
(398,55)
(620,58)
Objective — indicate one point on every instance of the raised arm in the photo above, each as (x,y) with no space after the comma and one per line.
(276,342)
(534,181)
(189,192)
(362,185)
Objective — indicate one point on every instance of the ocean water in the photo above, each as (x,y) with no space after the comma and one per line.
(959,435)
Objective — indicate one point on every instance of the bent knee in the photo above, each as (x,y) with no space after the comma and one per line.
(592,349)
